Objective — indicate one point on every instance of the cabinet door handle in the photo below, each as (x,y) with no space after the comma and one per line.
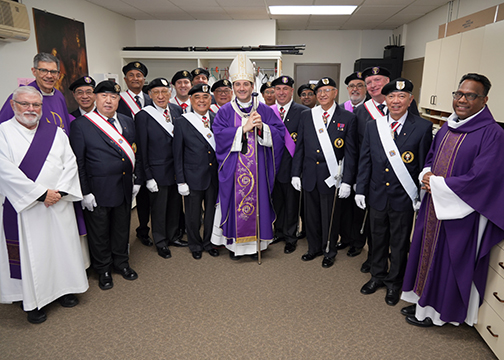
(490,331)
(432,100)
(496,295)
(435,100)
(501,264)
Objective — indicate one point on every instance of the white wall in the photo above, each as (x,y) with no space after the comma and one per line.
(106,34)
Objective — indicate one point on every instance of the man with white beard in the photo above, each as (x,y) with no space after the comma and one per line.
(40,252)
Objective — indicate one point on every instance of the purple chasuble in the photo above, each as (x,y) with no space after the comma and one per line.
(239,172)
(32,163)
(54,109)
(444,260)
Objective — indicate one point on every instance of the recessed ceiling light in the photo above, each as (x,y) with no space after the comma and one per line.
(313,10)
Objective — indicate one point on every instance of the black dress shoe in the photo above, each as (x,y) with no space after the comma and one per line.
(353,251)
(412,320)
(341,246)
(409,310)
(232,256)
(105,281)
(392,297)
(68,300)
(370,287)
(213,252)
(36,316)
(276,239)
(308,257)
(179,243)
(289,248)
(128,273)
(147,241)
(365,268)
(164,252)
(197,254)
(327,262)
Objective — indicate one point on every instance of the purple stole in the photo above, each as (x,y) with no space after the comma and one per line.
(31,165)
(442,165)
(349,106)
(289,143)
(245,191)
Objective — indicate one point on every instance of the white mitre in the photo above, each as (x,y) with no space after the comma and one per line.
(241,69)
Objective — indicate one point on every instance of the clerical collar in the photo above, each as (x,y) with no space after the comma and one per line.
(244,105)
(47,94)
(454,122)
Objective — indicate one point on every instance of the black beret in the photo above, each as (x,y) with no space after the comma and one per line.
(182,74)
(107,86)
(83,81)
(199,71)
(325,81)
(354,76)
(200,88)
(375,70)
(398,84)
(135,65)
(305,87)
(221,83)
(283,80)
(158,82)
(265,86)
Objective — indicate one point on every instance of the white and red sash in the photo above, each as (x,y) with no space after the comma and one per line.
(156,115)
(373,109)
(214,108)
(128,99)
(196,121)
(109,130)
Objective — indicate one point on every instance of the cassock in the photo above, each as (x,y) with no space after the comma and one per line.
(235,221)
(459,223)
(51,262)
(54,109)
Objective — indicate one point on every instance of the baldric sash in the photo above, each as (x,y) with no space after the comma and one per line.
(372,109)
(156,115)
(195,121)
(128,99)
(394,157)
(31,165)
(327,149)
(289,142)
(114,135)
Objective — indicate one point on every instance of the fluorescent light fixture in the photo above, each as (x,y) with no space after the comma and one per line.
(313,10)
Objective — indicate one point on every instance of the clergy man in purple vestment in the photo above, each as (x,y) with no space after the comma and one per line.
(460,218)
(244,163)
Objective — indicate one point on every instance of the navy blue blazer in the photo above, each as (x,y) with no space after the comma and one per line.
(155,148)
(195,160)
(104,169)
(376,179)
(292,119)
(124,109)
(309,160)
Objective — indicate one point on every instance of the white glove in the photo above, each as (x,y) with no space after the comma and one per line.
(344,191)
(152,185)
(89,202)
(360,200)
(183,189)
(136,189)
(296,183)
(416,205)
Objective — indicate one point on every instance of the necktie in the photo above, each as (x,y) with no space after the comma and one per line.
(166,115)
(325,117)
(395,126)
(381,107)
(184,107)
(206,122)
(137,100)
(111,121)
(282,112)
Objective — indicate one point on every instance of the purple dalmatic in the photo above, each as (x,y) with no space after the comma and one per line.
(239,172)
(54,109)
(444,258)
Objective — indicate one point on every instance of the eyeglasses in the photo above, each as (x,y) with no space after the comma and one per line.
(157,92)
(354,86)
(45,71)
(327,91)
(25,104)
(457,95)
(226,91)
(310,94)
(82,93)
